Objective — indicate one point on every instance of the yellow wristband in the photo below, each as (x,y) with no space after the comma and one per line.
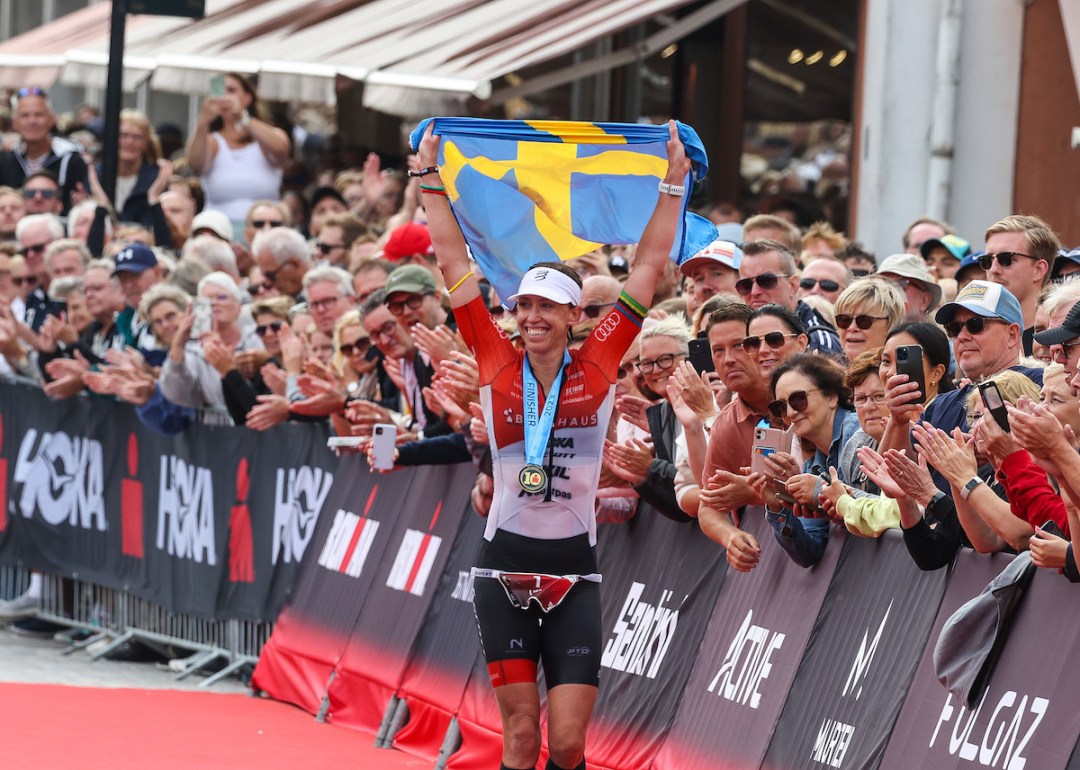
(458,284)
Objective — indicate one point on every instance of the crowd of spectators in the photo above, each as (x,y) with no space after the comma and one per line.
(211,291)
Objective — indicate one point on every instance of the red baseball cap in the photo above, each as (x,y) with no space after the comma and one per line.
(406,240)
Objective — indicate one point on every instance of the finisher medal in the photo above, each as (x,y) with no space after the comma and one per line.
(532,478)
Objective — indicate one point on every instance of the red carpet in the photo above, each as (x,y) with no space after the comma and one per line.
(51,726)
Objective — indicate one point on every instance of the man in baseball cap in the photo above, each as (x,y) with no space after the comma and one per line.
(413,297)
(985,323)
(943,255)
(137,269)
(713,270)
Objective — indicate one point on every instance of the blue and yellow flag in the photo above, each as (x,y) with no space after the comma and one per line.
(539,191)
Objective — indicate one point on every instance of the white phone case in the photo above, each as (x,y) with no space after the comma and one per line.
(383,441)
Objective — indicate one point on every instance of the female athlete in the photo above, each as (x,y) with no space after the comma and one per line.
(546,409)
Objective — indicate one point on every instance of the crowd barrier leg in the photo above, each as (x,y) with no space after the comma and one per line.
(451,743)
(397,714)
(324,707)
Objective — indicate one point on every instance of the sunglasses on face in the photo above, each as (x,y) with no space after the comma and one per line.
(594,311)
(413,303)
(624,371)
(326,248)
(497,311)
(798,401)
(774,340)
(273,326)
(360,347)
(824,283)
(25,280)
(260,224)
(863,321)
(766,281)
(974,325)
(1004,258)
(859,272)
(663,363)
(37,248)
(43,194)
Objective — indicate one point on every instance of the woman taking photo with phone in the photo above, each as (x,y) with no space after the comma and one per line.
(237,153)
(812,398)
(537,578)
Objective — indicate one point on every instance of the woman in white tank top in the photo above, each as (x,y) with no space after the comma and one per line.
(237,155)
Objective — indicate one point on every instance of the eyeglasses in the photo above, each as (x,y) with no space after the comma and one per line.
(274,326)
(824,283)
(1004,258)
(974,325)
(798,401)
(326,248)
(774,340)
(360,347)
(260,224)
(319,305)
(39,193)
(863,321)
(413,303)
(663,363)
(37,248)
(388,329)
(25,280)
(766,281)
(594,311)
(877,399)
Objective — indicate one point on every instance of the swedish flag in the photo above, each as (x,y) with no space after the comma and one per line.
(539,191)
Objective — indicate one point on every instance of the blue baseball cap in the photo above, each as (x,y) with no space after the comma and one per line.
(135,258)
(971,260)
(1063,258)
(986,299)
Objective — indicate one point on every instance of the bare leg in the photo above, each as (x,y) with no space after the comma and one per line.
(519,706)
(570,707)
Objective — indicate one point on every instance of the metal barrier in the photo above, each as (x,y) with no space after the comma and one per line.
(13,582)
(118,616)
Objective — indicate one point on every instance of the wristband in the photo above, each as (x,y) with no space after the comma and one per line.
(677,190)
(965,493)
(424,171)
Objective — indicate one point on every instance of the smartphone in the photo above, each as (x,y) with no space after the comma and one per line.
(782,493)
(1053,529)
(701,356)
(909,361)
(383,441)
(991,396)
(345,441)
(766,441)
(201,324)
(217,86)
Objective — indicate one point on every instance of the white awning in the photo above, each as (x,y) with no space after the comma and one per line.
(418,58)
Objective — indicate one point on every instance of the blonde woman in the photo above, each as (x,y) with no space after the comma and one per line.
(865,312)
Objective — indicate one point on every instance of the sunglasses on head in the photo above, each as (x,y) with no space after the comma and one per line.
(766,281)
(274,326)
(31,91)
(974,325)
(358,347)
(28,280)
(594,311)
(863,321)
(1004,258)
(798,401)
(824,283)
(44,194)
(774,340)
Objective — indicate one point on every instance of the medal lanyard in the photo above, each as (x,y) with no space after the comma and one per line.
(538,427)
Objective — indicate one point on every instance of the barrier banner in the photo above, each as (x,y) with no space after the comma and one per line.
(661,580)
(446,651)
(212,523)
(1028,716)
(422,524)
(314,627)
(759,629)
(860,660)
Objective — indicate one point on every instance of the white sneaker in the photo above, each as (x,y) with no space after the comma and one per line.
(178,665)
(20,607)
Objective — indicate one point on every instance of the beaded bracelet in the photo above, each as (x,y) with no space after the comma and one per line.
(424,171)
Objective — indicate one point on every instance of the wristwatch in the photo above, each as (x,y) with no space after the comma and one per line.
(937,498)
(965,493)
(677,190)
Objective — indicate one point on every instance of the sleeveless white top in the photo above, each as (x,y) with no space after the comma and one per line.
(239,177)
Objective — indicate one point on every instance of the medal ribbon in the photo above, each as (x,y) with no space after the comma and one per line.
(537,427)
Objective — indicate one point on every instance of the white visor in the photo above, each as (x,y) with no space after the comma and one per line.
(550,284)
